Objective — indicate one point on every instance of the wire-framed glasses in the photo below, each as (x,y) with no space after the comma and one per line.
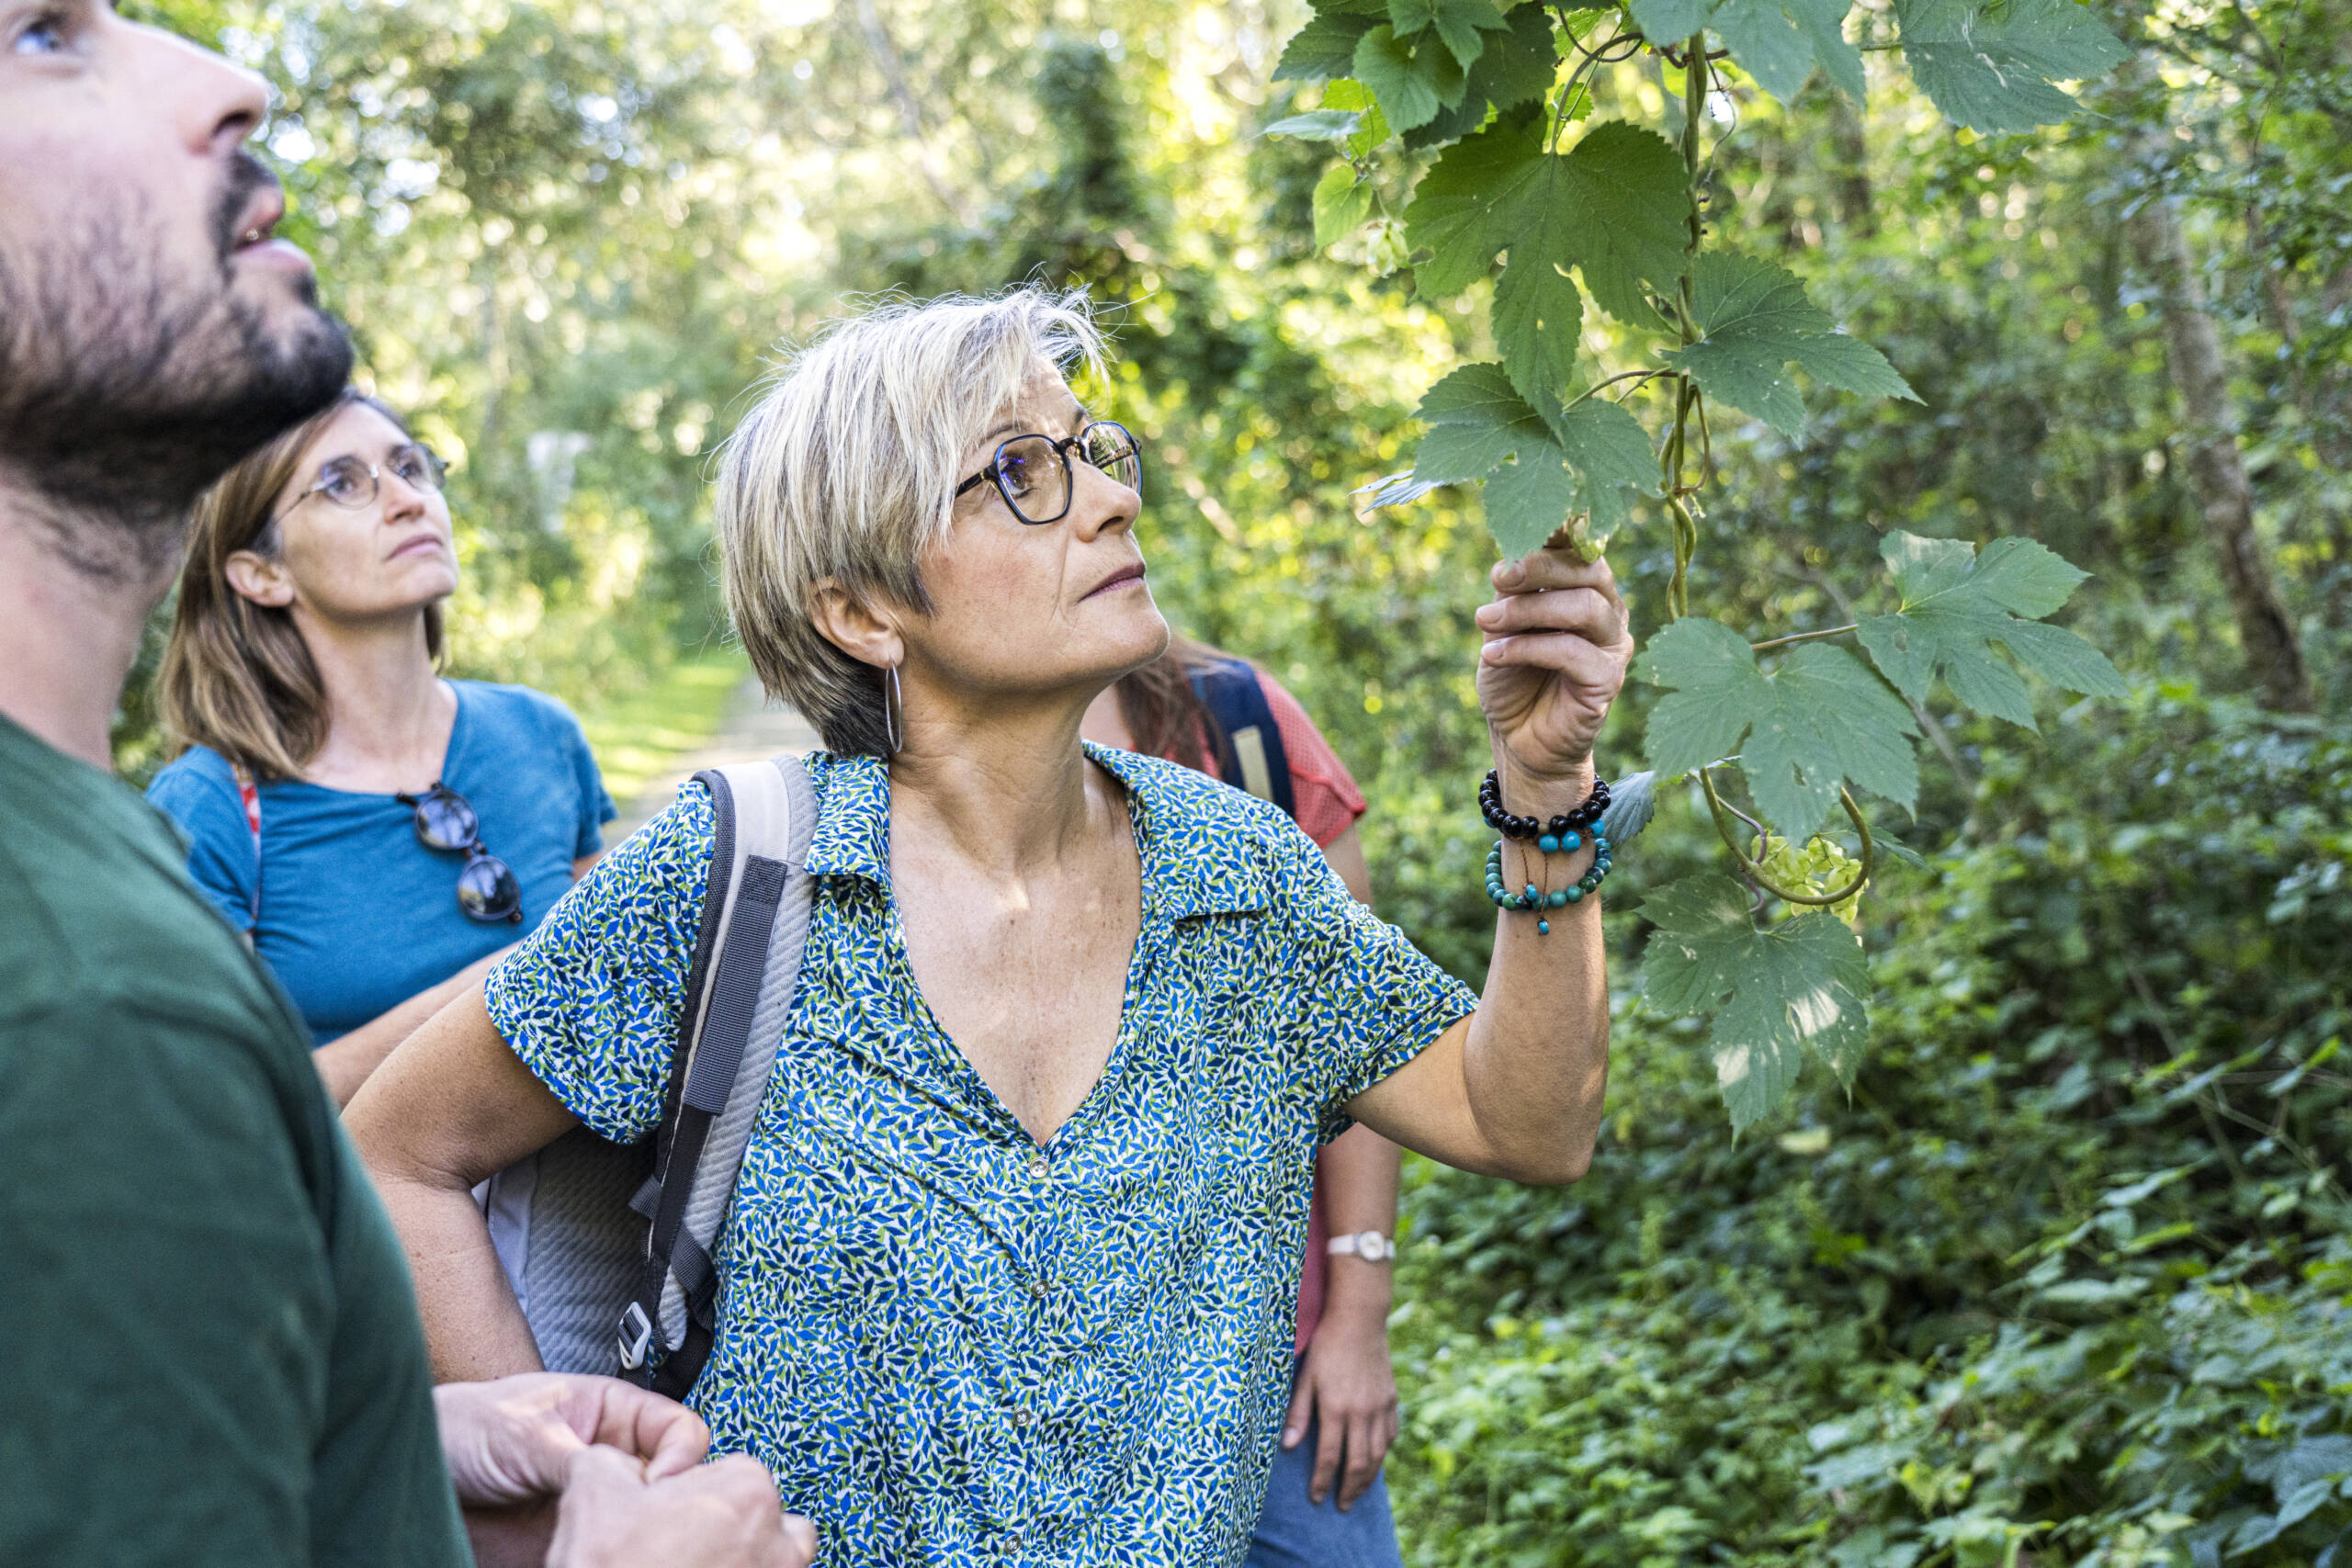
(351,483)
(1032,474)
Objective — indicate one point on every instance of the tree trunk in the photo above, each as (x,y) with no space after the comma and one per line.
(2216,469)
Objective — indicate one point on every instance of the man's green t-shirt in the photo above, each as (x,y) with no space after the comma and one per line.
(210,1351)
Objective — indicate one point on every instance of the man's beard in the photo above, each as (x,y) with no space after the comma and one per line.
(126,392)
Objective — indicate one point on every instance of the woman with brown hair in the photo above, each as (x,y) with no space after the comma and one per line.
(1327,1505)
(378,831)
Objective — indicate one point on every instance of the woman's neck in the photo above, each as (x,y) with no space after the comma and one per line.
(1008,791)
(388,713)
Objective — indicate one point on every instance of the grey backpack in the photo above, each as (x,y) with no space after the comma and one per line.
(609,1246)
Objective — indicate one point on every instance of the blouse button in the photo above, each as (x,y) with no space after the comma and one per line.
(1037,1165)
(1037,1288)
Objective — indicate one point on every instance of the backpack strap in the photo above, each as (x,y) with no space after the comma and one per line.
(739,998)
(1250,743)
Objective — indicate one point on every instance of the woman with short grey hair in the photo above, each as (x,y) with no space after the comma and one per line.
(1012,1261)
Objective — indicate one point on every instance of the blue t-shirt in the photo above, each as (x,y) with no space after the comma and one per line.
(356,915)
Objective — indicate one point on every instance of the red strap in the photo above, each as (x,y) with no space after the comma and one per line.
(252,798)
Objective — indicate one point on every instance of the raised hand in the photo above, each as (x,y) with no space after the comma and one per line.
(1556,649)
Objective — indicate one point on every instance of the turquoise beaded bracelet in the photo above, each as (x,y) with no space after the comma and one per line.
(1536,899)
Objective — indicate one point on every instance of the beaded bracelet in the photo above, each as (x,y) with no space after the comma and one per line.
(1536,899)
(1563,828)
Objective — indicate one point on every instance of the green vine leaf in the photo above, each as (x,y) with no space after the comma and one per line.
(1516,67)
(1997,66)
(1613,461)
(1462,25)
(1476,423)
(1799,985)
(1820,720)
(1617,205)
(1538,318)
(1958,602)
(1323,48)
(1592,458)
(1528,498)
(1518,64)
(1755,322)
(1777,42)
(1371,126)
(1342,205)
(1409,85)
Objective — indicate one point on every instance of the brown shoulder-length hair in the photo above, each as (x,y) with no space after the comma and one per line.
(1165,718)
(236,675)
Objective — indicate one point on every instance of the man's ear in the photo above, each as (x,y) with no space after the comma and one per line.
(865,630)
(259,579)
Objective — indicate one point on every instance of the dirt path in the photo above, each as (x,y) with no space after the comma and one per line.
(751,730)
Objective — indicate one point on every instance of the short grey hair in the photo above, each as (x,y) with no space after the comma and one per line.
(847,466)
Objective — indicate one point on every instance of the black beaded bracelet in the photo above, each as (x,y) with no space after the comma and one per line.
(1490,804)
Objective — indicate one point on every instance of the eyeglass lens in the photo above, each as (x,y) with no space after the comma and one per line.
(1036,476)
(445,820)
(348,481)
(487,890)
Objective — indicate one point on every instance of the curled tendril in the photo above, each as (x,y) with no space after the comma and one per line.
(1754,870)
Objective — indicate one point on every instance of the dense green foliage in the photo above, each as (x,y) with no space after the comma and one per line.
(2065,1274)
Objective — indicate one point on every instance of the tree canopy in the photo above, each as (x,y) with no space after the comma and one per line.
(2022,330)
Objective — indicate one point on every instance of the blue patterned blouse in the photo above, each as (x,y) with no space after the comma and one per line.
(950,1345)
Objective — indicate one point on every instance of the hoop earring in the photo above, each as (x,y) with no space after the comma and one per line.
(893,711)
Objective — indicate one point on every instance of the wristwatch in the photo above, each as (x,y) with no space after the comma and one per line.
(1370,1245)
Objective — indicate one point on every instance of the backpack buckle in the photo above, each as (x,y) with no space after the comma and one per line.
(636,1336)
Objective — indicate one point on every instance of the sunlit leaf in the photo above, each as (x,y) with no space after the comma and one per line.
(1342,204)
(1802,985)
(1371,126)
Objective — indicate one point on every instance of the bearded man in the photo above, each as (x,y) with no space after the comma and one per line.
(213,1351)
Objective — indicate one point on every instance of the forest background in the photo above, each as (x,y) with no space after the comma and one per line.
(2065,1277)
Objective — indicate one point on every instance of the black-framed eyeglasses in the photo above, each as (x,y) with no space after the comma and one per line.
(487,890)
(351,483)
(1032,472)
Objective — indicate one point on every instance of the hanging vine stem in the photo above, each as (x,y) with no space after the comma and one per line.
(1755,873)
(1794,638)
(1696,83)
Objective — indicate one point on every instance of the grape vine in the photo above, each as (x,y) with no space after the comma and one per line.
(1504,95)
